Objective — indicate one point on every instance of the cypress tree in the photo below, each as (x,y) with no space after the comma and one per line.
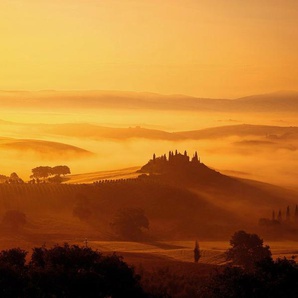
(196,156)
(197,252)
(288,214)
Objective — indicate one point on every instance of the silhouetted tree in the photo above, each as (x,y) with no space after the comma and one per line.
(288,214)
(14,219)
(279,217)
(15,179)
(197,252)
(13,282)
(3,178)
(247,250)
(56,179)
(66,271)
(60,170)
(130,222)
(82,208)
(270,279)
(196,155)
(41,172)
(15,257)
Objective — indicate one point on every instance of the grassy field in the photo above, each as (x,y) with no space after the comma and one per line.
(148,254)
(127,173)
(212,251)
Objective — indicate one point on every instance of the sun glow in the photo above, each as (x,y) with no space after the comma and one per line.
(165,47)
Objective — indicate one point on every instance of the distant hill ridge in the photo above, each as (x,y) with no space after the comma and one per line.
(278,101)
(95,131)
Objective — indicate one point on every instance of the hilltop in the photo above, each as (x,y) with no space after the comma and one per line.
(180,167)
(181,196)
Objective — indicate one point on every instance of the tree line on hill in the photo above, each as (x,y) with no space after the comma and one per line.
(12,179)
(49,174)
(277,218)
(41,174)
(281,223)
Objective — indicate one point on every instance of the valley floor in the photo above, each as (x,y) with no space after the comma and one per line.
(213,252)
(155,254)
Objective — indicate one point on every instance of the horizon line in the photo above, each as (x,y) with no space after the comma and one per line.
(285,91)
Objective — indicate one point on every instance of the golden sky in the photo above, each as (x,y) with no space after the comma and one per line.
(210,48)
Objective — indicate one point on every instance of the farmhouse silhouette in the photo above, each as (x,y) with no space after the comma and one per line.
(173,162)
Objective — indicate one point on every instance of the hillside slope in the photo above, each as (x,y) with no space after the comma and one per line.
(41,147)
(180,204)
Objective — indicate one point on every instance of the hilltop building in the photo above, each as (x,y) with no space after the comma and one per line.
(176,158)
(173,162)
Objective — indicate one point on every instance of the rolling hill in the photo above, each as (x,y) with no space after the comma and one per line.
(180,202)
(242,130)
(44,148)
(93,131)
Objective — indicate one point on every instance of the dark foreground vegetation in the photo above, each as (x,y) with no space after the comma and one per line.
(66,271)
(73,271)
(250,272)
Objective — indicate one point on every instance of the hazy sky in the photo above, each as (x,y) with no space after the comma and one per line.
(210,48)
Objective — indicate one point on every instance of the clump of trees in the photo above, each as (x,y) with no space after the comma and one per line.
(247,250)
(66,271)
(49,174)
(256,274)
(14,220)
(262,277)
(130,223)
(3,178)
(12,179)
(270,278)
(15,179)
(82,208)
(282,223)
